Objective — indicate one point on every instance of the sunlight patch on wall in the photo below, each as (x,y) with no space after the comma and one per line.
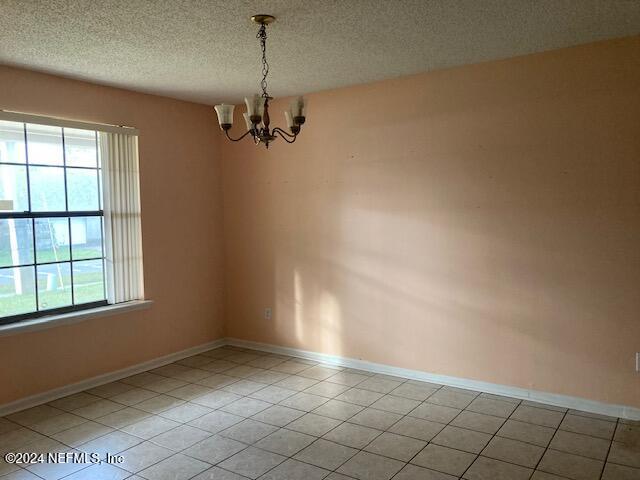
(298,305)
(331,321)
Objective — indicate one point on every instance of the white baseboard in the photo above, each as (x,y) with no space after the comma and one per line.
(92,382)
(565,401)
(558,400)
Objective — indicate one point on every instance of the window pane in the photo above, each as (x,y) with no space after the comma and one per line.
(12,142)
(80,148)
(52,240)
(17,291)
(101,192)
(44,144)
(82,187)
(86,237)
(47,189)
(16,242)
(88,281)
(13,186)
(54,285)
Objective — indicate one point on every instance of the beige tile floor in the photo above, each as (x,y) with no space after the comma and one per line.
(231,414)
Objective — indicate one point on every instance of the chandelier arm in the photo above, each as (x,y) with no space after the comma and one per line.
(290,135)
(284,137)
(226,132)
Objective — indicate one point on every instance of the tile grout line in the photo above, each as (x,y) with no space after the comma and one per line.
(441,387)
(388,393)
(606,458)
(492,437)
(321,437)
(383,431)
(550,440)
(564,415)
(113,429)
(238,379)
(343,421)
(444,425)
(150,439)
(251,445)
(311,411)
(401,380)
(359,450)
(282,427)
(429,442)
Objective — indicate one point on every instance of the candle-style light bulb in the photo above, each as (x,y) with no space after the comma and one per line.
(299,110)
(251,105)
(255,107)
(291,124)
(288,118)
(261,101)
(247,120)
(225,115)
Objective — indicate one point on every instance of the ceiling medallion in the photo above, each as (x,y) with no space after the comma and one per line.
(257,115)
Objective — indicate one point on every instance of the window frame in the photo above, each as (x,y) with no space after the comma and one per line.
(68,215)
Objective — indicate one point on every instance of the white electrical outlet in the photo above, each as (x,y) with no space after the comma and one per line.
(637,361)
(267,313)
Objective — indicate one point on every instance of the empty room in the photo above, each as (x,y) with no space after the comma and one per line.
(331,239)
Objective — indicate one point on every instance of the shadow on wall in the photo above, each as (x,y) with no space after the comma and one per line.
(484,227)
(460,287)
(463,257)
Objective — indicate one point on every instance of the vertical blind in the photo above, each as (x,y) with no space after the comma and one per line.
(123,235)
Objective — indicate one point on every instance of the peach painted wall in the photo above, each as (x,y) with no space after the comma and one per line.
(481,222)
(182,238)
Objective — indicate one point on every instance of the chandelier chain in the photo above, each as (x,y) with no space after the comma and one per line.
(257,115)
(262,36)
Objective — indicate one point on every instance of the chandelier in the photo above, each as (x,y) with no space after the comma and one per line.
(257,115)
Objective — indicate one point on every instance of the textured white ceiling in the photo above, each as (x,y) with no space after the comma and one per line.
(206,51)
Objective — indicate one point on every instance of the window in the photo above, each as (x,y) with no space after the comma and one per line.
(52,249)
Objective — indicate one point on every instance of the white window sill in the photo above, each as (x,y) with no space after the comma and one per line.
(43,323)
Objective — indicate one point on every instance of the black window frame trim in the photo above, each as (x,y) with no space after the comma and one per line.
(4,215)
